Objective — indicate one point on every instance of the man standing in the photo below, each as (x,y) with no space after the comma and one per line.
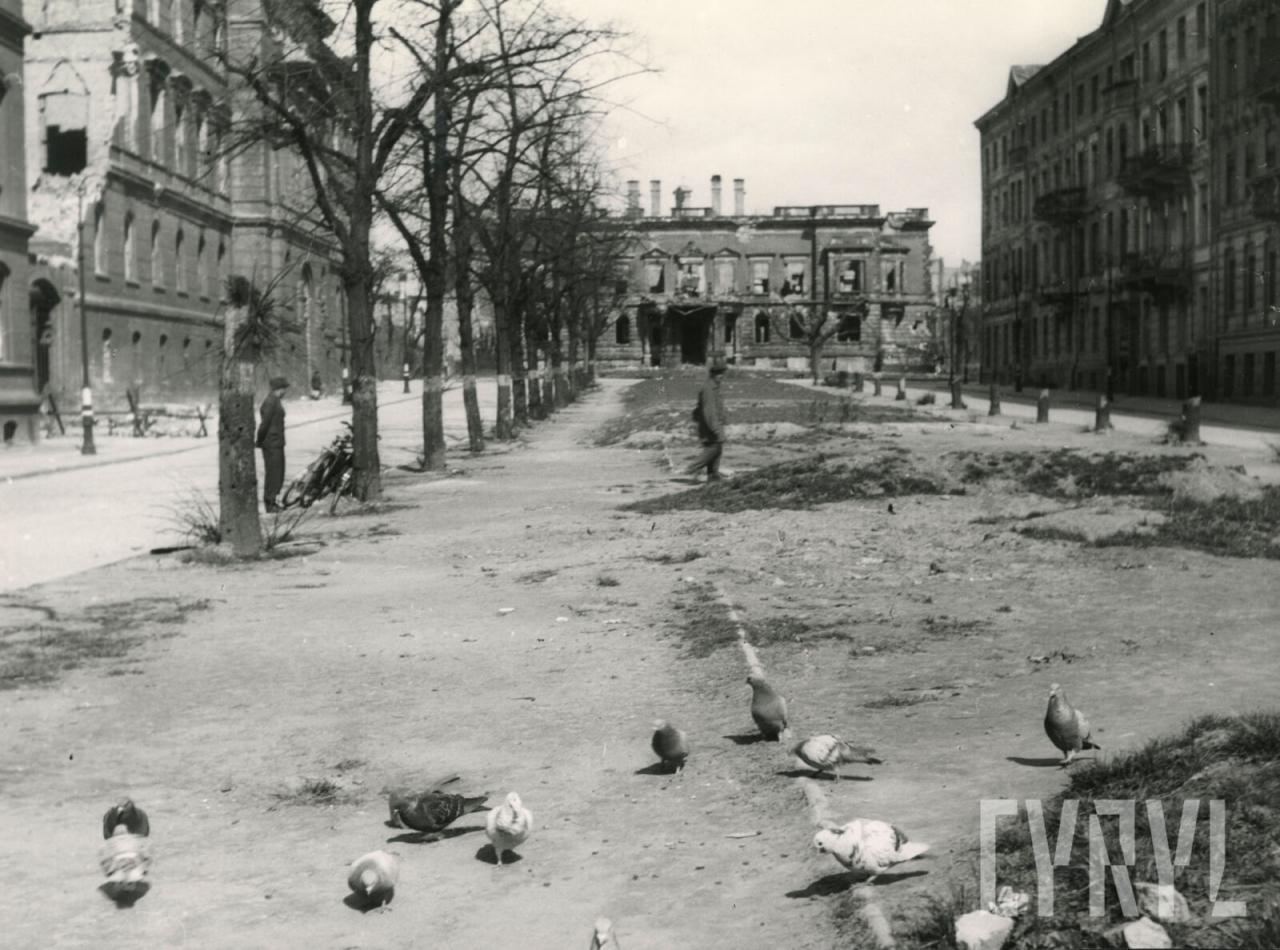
(271,441)
(712,421)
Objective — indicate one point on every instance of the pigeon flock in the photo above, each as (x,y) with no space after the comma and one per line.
(867,847)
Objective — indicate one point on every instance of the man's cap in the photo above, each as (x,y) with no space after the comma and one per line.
(718,365)
(279,382)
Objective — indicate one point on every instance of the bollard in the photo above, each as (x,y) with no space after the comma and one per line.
(1042,406)
(994,398)
(1102,415)
(902,388)
(1191,420)
(875,381)
(86,417)
(957,397)
(346,386)
(404,374)
(856,384)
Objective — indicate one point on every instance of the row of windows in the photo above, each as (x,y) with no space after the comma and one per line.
(848,276)
(189,21)
(1248,381)
(168,365)
(183,265)
(849,329)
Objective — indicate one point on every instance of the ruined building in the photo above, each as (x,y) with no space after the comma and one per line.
(1129,207)
(714,280)
(127,118)
(18,402)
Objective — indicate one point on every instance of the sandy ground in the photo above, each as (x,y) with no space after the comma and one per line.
(383,658)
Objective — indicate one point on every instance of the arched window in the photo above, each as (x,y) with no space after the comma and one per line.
(221,273)
(108,356)
(130,249)
(795,328)
(762,328)
(180,137)
(160,358)
(99,239)
(4,343)
(157,269)
(179,263)
(156,123)
(136,358)
(622,330)
(186,356)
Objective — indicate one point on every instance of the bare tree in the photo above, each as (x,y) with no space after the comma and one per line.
(816,323)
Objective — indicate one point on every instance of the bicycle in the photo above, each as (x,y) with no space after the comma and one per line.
(331,473)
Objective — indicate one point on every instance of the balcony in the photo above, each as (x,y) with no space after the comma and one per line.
(1264,196)
(1266,80)
(1062,206)
(1055,292)
(1157,171)
(1120,96)
(1161,274)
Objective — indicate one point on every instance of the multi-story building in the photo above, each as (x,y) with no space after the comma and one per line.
(18,400)
(1096,222)
(757,288)
(127,119)
(1245,47)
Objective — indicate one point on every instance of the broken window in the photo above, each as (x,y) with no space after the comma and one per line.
(99,239)
(108,356)
(65,118)
(654,277)
(724,277)
(179,264)
(849,278)
(762,328)
(796,327)
(693,275)
(156,124)
(760,277)
(890,277)
(794,282)
(180,139)
(157,274)
(850,329)
(201,280)
(130,249)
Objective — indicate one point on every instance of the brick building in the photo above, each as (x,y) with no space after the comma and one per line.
(127,116)
(701,280)
(1097,227)
(18,402)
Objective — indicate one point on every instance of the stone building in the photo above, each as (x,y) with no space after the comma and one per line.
(703,280)
(18,402)
(127,118)
(1245,91)
(1097,231)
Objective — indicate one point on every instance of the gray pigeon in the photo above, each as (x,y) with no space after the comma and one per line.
(670,745)
(828,753)
(133,818)
(768,708)
(1066,726)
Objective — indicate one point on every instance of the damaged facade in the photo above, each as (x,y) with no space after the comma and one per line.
(18,401)
(702,281)
(127,117)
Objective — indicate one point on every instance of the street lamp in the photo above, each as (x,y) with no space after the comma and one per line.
(86,393)
(956,317)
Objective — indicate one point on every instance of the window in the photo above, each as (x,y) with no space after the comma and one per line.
(180,139)
(1202,26)
(1093,93)
(1229,169)
(1250,281)
(761,328)
(157,274)
(693,277)
(108,356)
(794,282)
(622,330)
(849,278)
(1164,53)
(1183,131)
(1146,62)
(179,263)
(1247,387)
(724,277)
(1269,373)
(1228,376)
(136,358)
(655,277)
(759,277)
(99,239)
(1080,99)
(1229,67)
(850,328)
(202,278)
(1202,112)
(221,273)
(161,353)
(64,120)
(1229,281)
(130,249)
(1182,39)
(156,125)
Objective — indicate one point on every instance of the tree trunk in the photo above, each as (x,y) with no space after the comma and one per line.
(1102,415)
(237,468)
(519,376)
(559,387)
(364,393)
(503,429)
(994,399)
(815,355)
(1190,420)
(437,175)
(465,294)
(538,409)
(1042,406)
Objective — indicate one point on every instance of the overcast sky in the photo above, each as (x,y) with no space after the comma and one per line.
(827,101)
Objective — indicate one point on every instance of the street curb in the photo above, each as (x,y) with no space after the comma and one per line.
(167,452)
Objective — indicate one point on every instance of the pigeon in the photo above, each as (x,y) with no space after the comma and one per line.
(827,753)
(670,744)
(603,938)
(508,826)
(867,845)
(891,511)
(133,818)
(768,708)
(373,877)
(432,812)
(1066,726)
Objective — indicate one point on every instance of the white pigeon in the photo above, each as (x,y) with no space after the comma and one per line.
(827,753)
(867,845)
(373,877)
(603,937)
(508,825)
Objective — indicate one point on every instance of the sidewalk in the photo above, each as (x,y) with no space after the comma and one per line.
(62,452)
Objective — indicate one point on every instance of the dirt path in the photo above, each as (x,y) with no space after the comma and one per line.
(384,660)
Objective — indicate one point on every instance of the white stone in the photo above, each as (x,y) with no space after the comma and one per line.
(1163,902)
(982,930)
(1146,933)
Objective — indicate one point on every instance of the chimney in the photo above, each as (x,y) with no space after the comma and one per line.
(739,197)
(633,198)
(655,197)
(715,195)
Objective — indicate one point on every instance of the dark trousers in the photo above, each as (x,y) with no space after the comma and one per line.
(273,477)
(708,459)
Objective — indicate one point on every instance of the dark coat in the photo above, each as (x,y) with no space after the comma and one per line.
(711,417)
(271,428)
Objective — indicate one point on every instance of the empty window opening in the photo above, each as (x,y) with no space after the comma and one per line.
(66,141)
(622,331)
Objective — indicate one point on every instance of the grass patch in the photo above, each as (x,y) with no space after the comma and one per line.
(1065,473)
(314,792)
(668,558)
(701,621)
(896,701)
(1235,759)
(537,577)
(607,580)
(1226,526)
(948,628)
(800,484)
(1049,532)
(39,653)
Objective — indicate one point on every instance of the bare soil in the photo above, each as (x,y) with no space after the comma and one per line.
(258,730)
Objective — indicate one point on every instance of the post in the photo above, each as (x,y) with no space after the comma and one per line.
(404,374)
(902,389)
(1191,420)
(1042,406)
(1102,415)
(993,397)
(875,381)
(346,386)
(86,394)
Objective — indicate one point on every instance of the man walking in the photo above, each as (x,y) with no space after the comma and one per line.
(271,441)
(712,422)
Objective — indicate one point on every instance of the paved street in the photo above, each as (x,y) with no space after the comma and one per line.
(58,523)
